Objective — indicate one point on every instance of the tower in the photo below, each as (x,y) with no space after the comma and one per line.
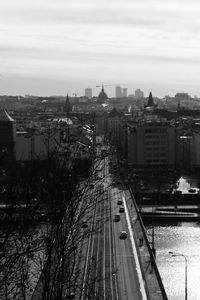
(68,107)
(118,92)
(88,93)
(150,100)
(102,96)
(124,92)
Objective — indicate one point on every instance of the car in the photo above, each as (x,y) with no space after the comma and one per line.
(123,235)
(121,209)
(117,218)
(119,202)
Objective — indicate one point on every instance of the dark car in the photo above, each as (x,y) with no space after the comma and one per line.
(119,202)
(117,218)
(121,209)
(123,235)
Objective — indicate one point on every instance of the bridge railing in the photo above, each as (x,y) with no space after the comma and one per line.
(149,249)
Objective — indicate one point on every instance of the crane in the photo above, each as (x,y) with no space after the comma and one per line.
(102,86)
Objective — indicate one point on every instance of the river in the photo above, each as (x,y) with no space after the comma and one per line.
(180,238)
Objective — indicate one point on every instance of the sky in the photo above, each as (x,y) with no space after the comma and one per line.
(55,47)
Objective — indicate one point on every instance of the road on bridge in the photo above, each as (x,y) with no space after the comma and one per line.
(109,265)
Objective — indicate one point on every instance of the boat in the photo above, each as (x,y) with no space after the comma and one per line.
(177,192)
(192,191)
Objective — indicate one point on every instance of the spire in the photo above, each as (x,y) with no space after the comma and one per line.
(150,100)
(68,107)
(102,97)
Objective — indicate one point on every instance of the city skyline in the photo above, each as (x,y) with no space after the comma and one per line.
(51,48)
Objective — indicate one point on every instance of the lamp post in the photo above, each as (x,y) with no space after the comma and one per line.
(179,254)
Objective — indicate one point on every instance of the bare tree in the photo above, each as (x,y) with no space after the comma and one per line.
(44,206)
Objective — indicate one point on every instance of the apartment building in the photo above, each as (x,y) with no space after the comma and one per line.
(150,146)
(190,152)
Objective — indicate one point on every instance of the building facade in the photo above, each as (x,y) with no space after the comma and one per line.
(88,93)
(7,139)
(118,92)
(150,146)
(139,94)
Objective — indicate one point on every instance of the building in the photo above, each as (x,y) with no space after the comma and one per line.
(30,145)
(190,152)
(88,93)
(101,120)
(150,102)
(139,94)
(124,92)
(68,107)
(7,139)
(150,147)
(113,125)
(118,92)
(182,96)
(102,97)
(60,137)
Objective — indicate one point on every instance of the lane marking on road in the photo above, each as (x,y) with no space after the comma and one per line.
(141,282)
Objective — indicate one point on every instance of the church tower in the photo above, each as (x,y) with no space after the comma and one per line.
(150,101)
(68,107)
(102,98)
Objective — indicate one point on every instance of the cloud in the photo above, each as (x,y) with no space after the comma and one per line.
(56,38)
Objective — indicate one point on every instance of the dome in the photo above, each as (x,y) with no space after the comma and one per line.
(102,97)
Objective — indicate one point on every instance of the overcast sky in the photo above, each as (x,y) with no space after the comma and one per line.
(50,47)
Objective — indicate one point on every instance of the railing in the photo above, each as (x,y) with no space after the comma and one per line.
(151,254)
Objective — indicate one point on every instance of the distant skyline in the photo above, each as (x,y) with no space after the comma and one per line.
(50,47)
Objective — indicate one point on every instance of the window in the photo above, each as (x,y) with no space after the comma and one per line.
(149,154)
(163,154)
(148,130)
(163,160)
(148,160)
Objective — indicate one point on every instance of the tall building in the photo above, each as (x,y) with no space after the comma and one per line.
(139,93)
(88,93)
(68,107)
(118,92)
(124,92)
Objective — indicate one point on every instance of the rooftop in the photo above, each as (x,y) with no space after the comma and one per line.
(4,116)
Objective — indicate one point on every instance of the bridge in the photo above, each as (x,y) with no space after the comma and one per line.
(111,267)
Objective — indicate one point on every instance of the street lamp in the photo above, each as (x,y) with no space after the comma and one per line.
(179,254)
